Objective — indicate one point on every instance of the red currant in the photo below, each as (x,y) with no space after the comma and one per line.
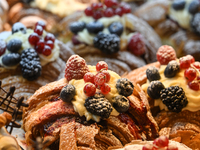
(2,47)
(99,79)
(162,141)
(33,39)
(96,6)
(88,11)
(40,46)
(108,12)
(111,3)
(50,37)
(194,85)
(89,89)
(101,65)
(97,14)
(186,61)
(172,147)
(47,50)
(41,23)
(107,74)
(190,74)
(125,8)
(105,88)
(196,64)
(118,11)
(137,45)
(38,30)
(75,41)
(50,44)
(89,77)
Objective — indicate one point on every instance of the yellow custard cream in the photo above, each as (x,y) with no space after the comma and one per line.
(183,17)
(61,8)
(80,97)
(25,44)
(86,37)
(193,96)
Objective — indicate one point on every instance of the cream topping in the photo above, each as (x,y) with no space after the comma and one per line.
(86,37)
(183,17)
(60,7)
(80,97)
(25,44)
(193,97)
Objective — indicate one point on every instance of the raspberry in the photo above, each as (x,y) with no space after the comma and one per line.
(165,54)
(76,68)
(137,45)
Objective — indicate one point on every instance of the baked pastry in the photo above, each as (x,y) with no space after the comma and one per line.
(29,60)
(163,144)
(116,36)
(3,13)
(29,12)
(7,141)
(176,22)
(173,93)
(73,113)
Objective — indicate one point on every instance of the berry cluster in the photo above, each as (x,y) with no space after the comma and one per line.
(108,9)
(42,46)
(192,71)
(98,81)
(160,143)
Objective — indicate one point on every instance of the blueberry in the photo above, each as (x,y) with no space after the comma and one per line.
(195,23)
(194,6)
(14,45)
(67,93)
(124,87)
(94,27)
(18,27)
(152,73)
(178,4)
(76,27)
(116,28)
(11,59)
(121,103)
(172,69)
(154,89)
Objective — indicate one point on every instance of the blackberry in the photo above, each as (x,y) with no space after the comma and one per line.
(67,93)
(121,103)
(18,26)
(124,87)
(116,28)
(107,43)
(14,45)
(30,64)
(178,4)
(152,73)
(154,89)
(98,106)
(76,27)
(195,23)
(172,69)
(11,59)
(174,98)
(94,27)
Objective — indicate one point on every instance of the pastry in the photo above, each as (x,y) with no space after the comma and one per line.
(117,36)
(173,93)
(163,144)
(7,141)
(29,12)
(176,22)
(28,61)
(3,13)
(73,113)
